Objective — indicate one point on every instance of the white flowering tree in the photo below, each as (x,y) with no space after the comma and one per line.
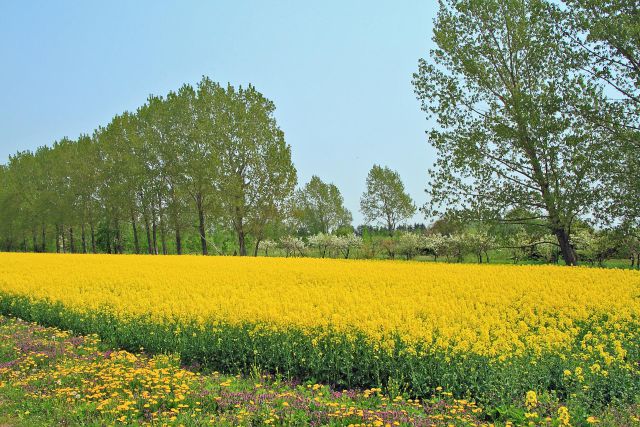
(585,242)
(435,244)
(321,241)
(595,246)
(455,247)
(345,244)
(409,244)
(480,243)
(547,248)
(293,246)
(267,245)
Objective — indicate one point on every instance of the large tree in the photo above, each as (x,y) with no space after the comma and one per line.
(257,173)
(510,102)
(65,214)
(179,157)
(84,183)
(385,200)
(22,200)
(203,144)
(607,34)
(319,208)
(169,151)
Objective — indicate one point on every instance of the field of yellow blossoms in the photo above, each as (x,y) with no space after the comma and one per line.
(492,332)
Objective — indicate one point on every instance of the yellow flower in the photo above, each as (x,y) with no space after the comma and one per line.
(563,416)
(531,399)
(496,311)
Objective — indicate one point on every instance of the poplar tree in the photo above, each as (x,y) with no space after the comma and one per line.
(257,173)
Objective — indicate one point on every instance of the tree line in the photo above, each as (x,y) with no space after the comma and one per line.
(184,170)
(450,240)
(536,104)
(180,165)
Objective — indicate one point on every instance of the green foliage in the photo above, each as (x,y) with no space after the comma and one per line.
(605,33)
(509,97)
(200,162)
(319,208)
(385,200)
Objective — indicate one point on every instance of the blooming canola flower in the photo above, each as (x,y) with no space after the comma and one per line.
(489,310)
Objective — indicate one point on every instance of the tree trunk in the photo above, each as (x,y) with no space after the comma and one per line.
(147,229)
(64,245)
(163,238)
(93,238)
(558,227)
(72,244)
(136,242)
(201,226)
(119,247)
(242,243)
(35,240)
(255,252)
(57,239)
(108,240)
(84,239)
(154,227)
(44,238)
(175,218)
(241,236)
(178,240)
(568,254)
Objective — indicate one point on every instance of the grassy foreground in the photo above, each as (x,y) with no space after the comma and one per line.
(48,376)
(52,377)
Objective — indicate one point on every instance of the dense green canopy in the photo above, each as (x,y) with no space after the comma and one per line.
(179,167)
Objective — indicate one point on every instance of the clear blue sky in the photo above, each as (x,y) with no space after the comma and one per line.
(339,73)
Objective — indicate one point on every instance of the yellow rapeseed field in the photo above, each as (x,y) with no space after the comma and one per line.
(496,311)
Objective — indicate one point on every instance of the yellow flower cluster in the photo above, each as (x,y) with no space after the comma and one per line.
(488,310)
(48,368)
(54,365)
(563,416)
(531,400)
